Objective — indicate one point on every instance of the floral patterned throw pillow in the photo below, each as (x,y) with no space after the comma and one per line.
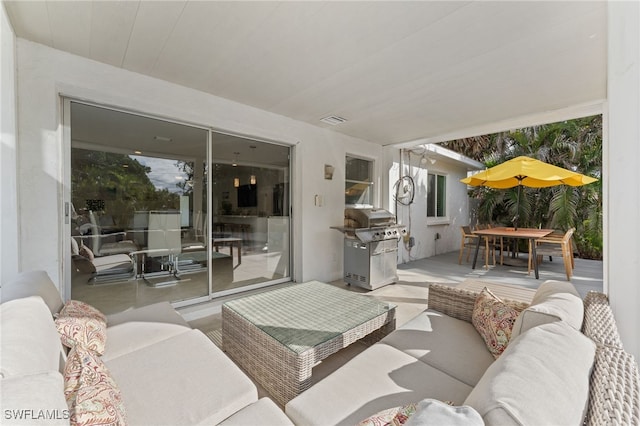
(494,321)
(77,308)
(91,393)
(90,333)
(396,416)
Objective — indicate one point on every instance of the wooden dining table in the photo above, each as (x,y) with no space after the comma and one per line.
(530,234)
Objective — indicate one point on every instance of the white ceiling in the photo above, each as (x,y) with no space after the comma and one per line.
(397,71)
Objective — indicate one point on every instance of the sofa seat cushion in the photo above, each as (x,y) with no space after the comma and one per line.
(30,341)
(262,412)
(379,378)
(132,336)
(542,378)
(553,301)
(110,249)
(115,263)
(448,344)
(157,312)
(185,379)
(34,399)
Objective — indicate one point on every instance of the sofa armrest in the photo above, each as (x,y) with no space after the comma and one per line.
(614,389)
(599,324)
(458,303)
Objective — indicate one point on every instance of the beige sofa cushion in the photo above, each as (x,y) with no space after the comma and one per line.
(542,378)
(157,312)
(553,301)
(185,379)
(379,378)
(131,336)
(448,344)
(39,396)
(30,341)
(33,283)
(262,412)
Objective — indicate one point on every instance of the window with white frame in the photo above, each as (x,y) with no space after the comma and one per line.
(436,195)
(358,186)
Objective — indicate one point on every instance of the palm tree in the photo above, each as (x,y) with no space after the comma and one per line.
(572,144)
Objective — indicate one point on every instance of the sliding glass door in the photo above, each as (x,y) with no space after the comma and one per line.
(164,211)
(250,212)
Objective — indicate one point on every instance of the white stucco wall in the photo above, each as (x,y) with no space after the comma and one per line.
(46,72)
(8,189)
(621,156)
(414,216)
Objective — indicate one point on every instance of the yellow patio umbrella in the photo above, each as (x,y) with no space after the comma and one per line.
(525,171)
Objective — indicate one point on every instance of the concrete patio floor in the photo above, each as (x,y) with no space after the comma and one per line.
(410,292)
(445,269)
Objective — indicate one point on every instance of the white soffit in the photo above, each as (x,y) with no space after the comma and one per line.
(397,71)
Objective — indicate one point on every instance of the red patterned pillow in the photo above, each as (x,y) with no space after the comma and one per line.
(77,308)
(86,252)
(90,333)
(396,416)
(494,321)
(91,393)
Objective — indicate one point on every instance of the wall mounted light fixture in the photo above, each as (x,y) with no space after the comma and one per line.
(328,171)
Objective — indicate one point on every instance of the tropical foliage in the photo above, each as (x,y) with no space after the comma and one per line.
(575,145)
(119,184)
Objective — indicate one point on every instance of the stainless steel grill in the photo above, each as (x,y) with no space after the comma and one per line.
(370,247)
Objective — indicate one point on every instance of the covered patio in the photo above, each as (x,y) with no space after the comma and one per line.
(34,158)
(410,293)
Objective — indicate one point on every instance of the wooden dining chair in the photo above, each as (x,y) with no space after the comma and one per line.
(468,241)
(491,244)
(495,243)
(554,245)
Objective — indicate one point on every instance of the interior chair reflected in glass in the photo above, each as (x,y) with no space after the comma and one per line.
(164,245)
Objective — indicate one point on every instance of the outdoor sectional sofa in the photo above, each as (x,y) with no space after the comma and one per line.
(167,373)
(564,365)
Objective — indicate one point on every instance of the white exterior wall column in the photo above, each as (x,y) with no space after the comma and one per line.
(621,157)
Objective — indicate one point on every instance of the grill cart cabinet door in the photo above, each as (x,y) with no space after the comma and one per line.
(383,263)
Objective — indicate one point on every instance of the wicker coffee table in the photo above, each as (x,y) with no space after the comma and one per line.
(279,335)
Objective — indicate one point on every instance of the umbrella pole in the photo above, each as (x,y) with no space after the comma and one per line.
(515,224)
